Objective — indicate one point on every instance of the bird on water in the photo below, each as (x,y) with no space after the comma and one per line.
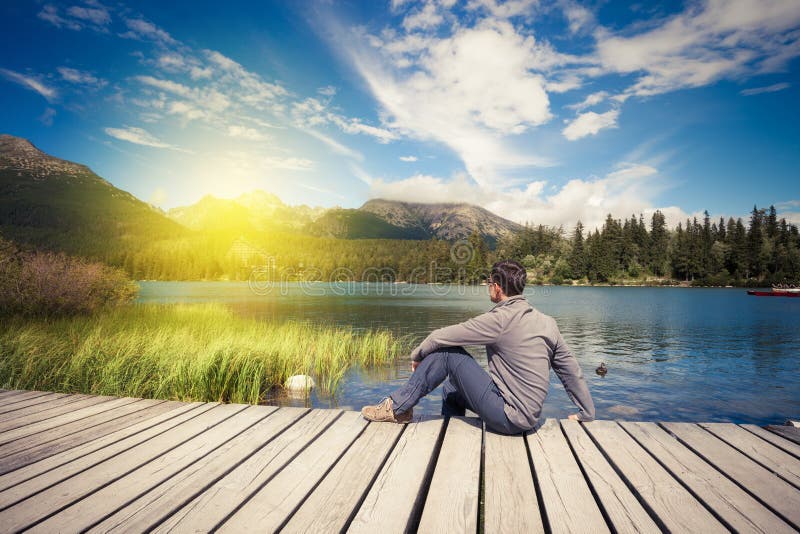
(602,370)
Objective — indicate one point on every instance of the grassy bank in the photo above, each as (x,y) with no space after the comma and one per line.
(198,352)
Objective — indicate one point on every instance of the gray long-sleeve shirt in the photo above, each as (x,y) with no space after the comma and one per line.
(521,344)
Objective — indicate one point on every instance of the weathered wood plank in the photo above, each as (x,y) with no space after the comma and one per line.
(13,395)
(55,407)
(452,503)
(622,507)
(568,501)
(788,446)
(24,482)
(272,504)
(85,410)
(733,505)
(788,432)
(391,500)
(176,469)
(154,506)
(28,404)
(510,503)
(67,492)
(778,494)
(224,496)
(779,462)
(31,449)
(334,501)
(676,508)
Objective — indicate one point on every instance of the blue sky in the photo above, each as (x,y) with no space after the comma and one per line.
(540,111)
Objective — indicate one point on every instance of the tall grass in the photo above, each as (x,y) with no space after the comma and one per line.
(196,352)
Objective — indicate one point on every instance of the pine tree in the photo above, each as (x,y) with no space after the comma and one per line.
(577,258)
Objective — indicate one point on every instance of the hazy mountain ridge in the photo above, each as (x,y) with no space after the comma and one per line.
(56,204)
(448,221)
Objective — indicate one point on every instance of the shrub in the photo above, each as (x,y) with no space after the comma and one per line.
(47,283)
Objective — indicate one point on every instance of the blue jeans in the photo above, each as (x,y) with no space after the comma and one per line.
(466,386)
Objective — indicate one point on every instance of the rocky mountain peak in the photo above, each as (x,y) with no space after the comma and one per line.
(21,156)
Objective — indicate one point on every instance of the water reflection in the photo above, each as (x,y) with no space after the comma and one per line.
(672,354)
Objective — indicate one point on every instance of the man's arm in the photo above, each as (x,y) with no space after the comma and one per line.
(481,330)
(571,375)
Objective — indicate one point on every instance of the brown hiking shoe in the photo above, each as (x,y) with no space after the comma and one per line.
(383,412)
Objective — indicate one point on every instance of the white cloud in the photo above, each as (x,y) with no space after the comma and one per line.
(425,18)
(30,82)
(311,113)
(138,136)
(165,85)
(408,159)
(630,189)
(96,15)
(505,9)
(768,89)
(469,91)
(50,14)
(142,29)
(335,145)
(591,100)
(328,90)
(704,43)
(590,123)
(245,132)
(185,110)
(80,77)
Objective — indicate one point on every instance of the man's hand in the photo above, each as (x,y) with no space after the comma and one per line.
(573,417)
(414,365)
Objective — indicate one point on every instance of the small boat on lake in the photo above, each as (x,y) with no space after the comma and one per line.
(776,292)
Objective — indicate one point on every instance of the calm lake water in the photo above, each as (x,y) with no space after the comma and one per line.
(672,353)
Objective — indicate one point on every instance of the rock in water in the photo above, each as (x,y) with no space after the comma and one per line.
(299,384)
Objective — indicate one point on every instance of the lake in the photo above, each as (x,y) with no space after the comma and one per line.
(686,354)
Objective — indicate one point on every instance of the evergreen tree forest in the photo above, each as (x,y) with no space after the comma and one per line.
(765,250)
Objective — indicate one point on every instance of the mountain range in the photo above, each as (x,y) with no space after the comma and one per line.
(57,204)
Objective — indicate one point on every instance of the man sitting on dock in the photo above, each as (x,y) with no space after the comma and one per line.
(521,345)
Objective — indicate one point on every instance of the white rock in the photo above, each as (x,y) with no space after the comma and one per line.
(300,383)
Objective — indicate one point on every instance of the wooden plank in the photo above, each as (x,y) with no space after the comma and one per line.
(788,446)
(510,503)
(452,503)
(28,403)
(677,509)
(392,498)
(622,507)
(779,495)
(54,406)
(272,504)
(34,448)
(92,509)
(733,505)
(12,394)
(224,496)
(568,502)
(84,408)
(24,482)
(788,432)
(157,504)
(64,493)
(779,462)
(334,501)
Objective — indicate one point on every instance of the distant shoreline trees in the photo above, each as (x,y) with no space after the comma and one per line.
(703,252)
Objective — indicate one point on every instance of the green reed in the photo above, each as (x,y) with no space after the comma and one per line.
(189,352)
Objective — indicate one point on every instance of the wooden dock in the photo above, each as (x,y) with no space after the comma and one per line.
(72,463)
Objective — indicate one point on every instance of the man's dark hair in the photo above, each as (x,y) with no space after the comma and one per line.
(510,276)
